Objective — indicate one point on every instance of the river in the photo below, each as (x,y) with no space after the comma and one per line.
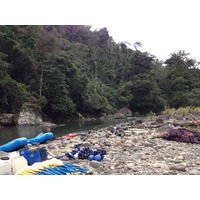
(8,134)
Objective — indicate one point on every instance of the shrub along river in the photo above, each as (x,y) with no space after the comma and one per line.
(8,134)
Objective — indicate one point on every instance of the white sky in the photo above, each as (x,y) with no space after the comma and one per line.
(161,26)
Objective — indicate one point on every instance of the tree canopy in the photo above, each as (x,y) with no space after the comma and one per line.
(66,69)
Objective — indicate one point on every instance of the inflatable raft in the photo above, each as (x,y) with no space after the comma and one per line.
(23,141)
(71,135)
(41,138)
(13,145)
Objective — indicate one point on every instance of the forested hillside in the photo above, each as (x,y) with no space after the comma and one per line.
(63,70)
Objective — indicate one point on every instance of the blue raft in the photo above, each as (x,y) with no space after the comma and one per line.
(23,141)
(13,145)
(41,138)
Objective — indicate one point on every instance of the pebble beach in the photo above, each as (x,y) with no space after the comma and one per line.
(138,152)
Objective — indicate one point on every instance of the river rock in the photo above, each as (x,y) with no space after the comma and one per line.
(178,167)
(123,113)
(194,172)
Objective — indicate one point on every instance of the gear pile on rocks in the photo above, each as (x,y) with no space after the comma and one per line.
(85,153)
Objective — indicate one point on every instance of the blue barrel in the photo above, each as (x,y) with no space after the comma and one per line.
(34,156)
(94,152)
(91,157)
(98,157)
(24,153)
(43,153)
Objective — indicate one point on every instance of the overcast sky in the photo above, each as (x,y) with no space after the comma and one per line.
(161,26)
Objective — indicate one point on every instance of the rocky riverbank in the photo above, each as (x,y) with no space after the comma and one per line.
(139,151)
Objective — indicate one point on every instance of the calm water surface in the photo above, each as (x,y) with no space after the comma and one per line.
(8,134)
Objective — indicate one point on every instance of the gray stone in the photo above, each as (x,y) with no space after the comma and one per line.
(123,113)
(148,144)
(51,146)
(28,117)
(198,162)
(135,140)
(95,164)
(128,143)
(109,172)
(178,167)
(194,172)
(159,120)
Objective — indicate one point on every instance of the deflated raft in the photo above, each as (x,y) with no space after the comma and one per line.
(69,136)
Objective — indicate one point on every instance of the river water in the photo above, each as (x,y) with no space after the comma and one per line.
(8,134)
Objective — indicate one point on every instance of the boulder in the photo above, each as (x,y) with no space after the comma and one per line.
(123,113)
(28,117)
(7,119)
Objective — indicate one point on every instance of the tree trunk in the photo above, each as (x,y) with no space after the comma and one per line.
(95,87)
(41,79)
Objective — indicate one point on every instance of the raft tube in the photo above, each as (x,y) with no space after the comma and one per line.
(41,138)
(71,135)
(23,141)
(14,145)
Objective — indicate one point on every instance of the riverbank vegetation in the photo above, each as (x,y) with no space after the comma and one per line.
(66,70)
(182,110)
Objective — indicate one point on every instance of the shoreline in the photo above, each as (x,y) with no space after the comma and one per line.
(138,152)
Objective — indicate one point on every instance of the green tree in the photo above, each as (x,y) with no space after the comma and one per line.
(45,46)
(13,94)
(56,92)
(125,95)
(146,95)
(193,97)
(179,68)
(3,64)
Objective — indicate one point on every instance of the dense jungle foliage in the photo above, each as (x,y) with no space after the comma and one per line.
(66,70)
